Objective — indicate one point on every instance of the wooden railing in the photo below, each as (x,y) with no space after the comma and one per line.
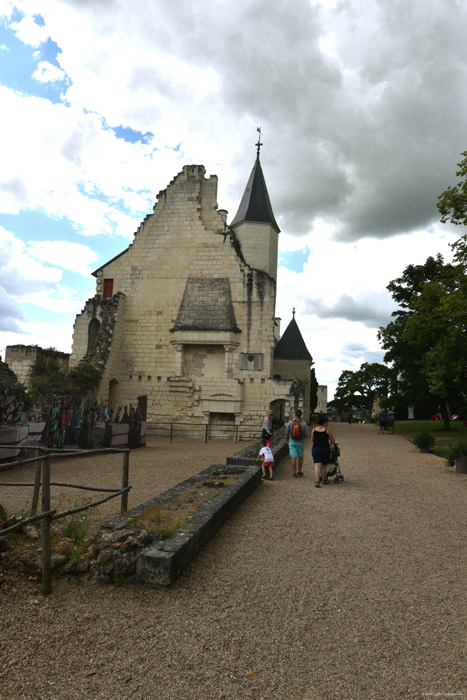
(48,514)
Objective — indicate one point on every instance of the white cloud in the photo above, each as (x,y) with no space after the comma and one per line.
(45,335)
(6,8)
(10,312)
(69,256)
(21,274)
(61,300)
(29,32)
(48,73)
(32,274)
(71,165)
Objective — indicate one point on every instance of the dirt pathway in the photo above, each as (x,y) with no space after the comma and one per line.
(354,590)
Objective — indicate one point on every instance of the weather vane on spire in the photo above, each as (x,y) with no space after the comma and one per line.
(293,312)
(259,144)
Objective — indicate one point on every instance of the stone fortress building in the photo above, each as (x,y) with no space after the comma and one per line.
(185,316)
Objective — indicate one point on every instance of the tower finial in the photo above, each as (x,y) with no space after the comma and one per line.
(259,144)
(293,312)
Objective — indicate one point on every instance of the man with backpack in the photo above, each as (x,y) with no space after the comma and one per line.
(295,434)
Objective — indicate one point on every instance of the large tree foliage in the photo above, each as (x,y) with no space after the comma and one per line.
(359,389)
(426,342)
(49,381)
(452,205)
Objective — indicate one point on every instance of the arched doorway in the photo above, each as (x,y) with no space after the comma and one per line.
(113,390)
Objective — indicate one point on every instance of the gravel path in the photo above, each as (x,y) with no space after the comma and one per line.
(354,590)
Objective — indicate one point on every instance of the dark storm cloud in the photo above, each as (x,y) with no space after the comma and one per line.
(373,311)
(363,355)
(368,139)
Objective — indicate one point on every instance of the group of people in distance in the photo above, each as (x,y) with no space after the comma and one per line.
(295,434)
(386,421)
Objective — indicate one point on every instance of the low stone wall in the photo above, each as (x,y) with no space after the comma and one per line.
(123,552)
(14,435)
(248,454)
(164,559)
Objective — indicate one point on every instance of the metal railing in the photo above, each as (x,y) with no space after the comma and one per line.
(204,431)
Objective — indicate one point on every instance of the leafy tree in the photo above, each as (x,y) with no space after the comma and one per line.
(84,378)
(452,205)
(48,380)
(426,341)
(360,388)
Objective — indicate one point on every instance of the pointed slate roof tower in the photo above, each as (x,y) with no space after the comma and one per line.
(255,204)
(254,224)
(291,346)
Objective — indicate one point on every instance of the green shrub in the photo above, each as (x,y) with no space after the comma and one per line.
(424,441)
(459,449)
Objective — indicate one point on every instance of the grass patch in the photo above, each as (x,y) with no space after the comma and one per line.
(171,516)
(444,439)
(161,521)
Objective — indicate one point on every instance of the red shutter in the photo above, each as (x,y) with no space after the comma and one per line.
(108,288)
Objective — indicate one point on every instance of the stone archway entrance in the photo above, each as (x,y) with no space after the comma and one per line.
(113,390)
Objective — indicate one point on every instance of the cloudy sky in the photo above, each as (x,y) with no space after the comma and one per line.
(363,108)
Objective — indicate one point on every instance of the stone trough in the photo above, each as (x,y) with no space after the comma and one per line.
(162,561)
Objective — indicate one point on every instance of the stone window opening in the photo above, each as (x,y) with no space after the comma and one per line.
(93,330)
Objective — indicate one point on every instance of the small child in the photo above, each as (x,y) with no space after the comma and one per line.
(268,460)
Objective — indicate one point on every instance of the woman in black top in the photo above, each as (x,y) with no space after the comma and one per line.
(321,450)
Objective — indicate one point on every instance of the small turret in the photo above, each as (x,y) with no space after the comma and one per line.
(255,225)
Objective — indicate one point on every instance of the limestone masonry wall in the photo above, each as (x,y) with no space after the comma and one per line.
(189,374)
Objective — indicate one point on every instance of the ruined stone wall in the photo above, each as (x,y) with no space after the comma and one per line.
(21,358)
(7,376)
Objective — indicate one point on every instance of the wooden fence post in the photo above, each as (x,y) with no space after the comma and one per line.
(125,473)
(45,526)
(37,485)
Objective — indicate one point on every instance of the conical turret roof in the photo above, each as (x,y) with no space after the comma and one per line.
(291,346)
(255,204)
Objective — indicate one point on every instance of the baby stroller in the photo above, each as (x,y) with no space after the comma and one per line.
(334,470)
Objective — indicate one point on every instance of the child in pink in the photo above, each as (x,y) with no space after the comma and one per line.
(268,460)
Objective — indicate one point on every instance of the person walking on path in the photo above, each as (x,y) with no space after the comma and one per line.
(383,419)
(268,460)
(295,434)
(321,438)
(266,433)
(391,417)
